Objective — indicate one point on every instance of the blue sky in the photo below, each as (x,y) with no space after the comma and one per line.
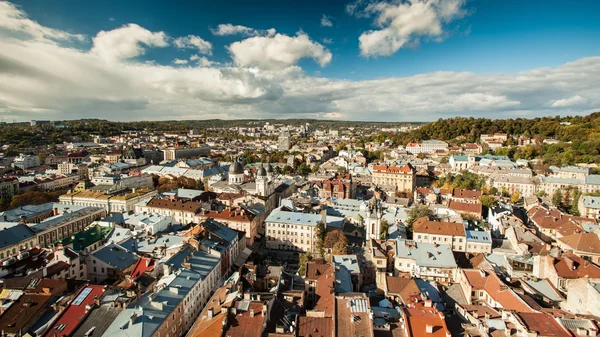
(480,41)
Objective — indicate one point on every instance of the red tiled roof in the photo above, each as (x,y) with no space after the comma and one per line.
(585,242)
(419,317)
(544,324)
(75,312)
(554,219)
(407,168)
(466,194)
(423,225)
(403,286)
(496,289)
(315,326)
(243,325)
(571,266)
(465,207)
(142,265)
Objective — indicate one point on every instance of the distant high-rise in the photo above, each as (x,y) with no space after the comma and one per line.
(284,140)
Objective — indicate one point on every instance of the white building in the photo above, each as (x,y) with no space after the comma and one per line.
(296,231)
(26,162)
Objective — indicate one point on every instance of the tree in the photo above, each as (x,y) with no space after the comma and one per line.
(385,226)
(287,169)
(515,197)
(303,260)
(557,198)
(488,201)
(303,170)
(541,194)
(315,168)
(416,212)
(333,238)
(320,233)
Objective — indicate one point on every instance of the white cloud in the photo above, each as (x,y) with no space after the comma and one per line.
(278,51)
(202,61)
(569,102)
(404,23)
(179,61)
(327,40)
(42,79)
(225,29)
(326,21)
(14,20)
(111,19)
(194,42)
(126,42)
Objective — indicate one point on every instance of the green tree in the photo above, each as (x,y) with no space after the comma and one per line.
(488,201)
(557,198)
(303,260)
(385,226)
(315,168)
(303,170)
(320,233)
(418,211)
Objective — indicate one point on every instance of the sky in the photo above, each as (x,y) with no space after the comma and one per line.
(398,60)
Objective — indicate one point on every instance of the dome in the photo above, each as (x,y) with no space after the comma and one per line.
(269,168)
(261,171)
(236,168)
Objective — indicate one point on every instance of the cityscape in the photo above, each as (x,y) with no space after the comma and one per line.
(196,169)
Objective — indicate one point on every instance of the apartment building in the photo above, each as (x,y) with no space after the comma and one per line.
(440,232)
(427,146)
(121,202)
(16,237)
(589,207)
(403,178)
(9,186)
(175,153)
(296,231)
(483,287)
(26,162)
(65,223)
(429,261)
(340,186)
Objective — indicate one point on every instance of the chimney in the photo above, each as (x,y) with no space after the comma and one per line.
(429,328)
(210,313)
(251,312)
(264,309)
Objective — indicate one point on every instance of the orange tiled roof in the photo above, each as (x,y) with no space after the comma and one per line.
(571,266)
(544,324)
(496,289)
(424,225)
(407,168)
(585,242)
(465,207)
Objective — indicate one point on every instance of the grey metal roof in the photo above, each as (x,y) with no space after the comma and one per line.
(292,218)
(479,236)
(11,234)
(115,256)
(544,288)
(591,202)
(426,254)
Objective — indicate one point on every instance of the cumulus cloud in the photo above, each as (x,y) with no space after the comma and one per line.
(126,42)
(43,79)
(278,51)
(202,61)
(401,24)
(14,20)
(569,102)
(194,42)
(326,21)
(230,29)
(179,61)
(327,40)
